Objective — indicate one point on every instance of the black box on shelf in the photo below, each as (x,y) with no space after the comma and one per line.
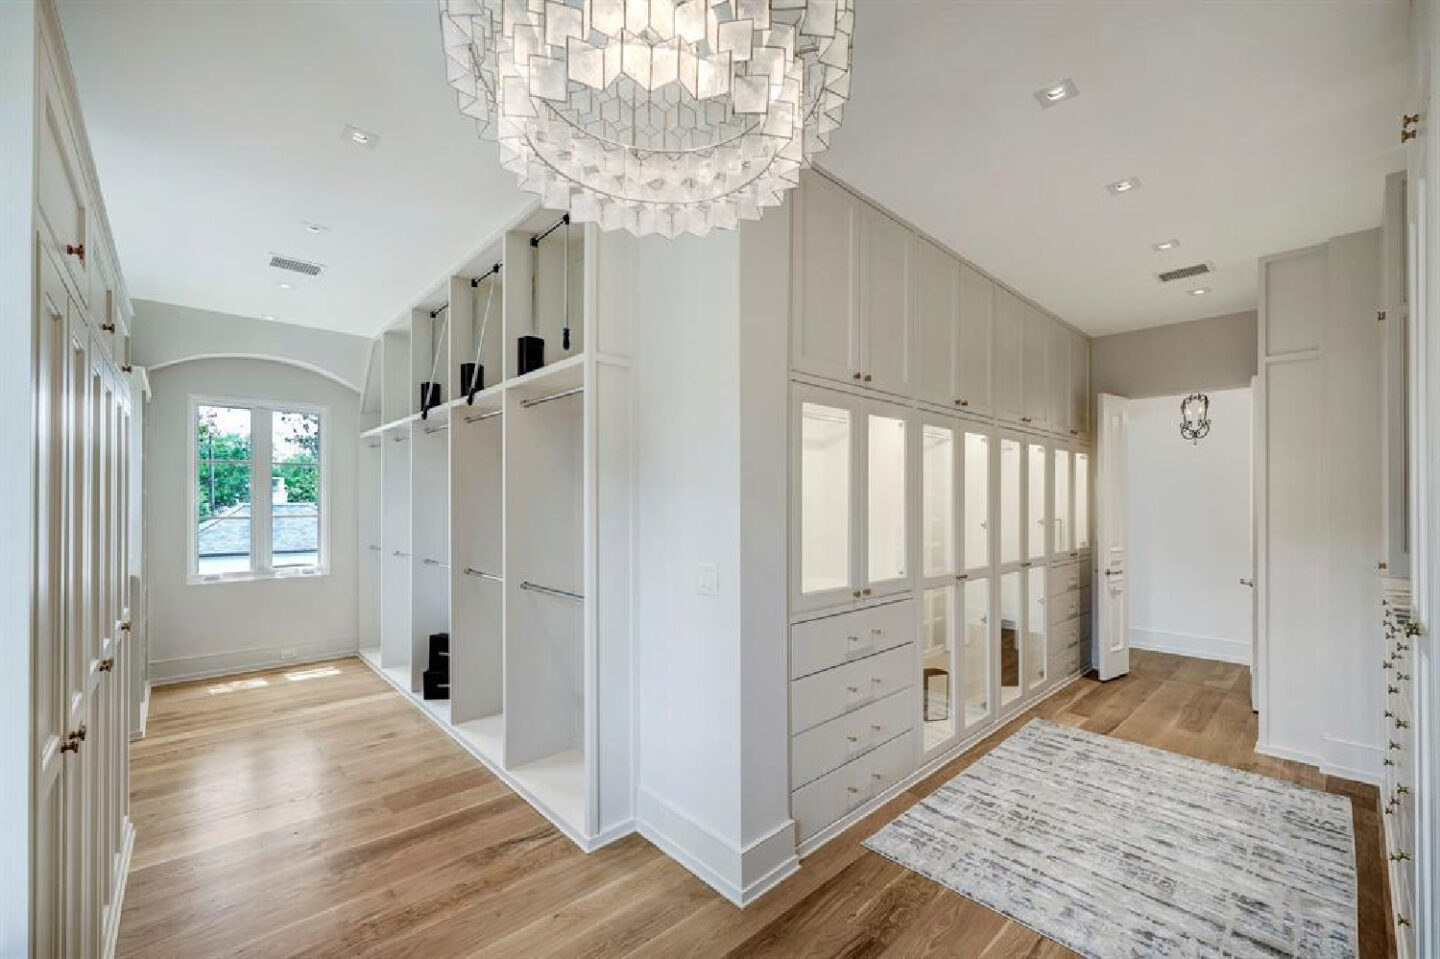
(529,354)
(440,655)
(435,685)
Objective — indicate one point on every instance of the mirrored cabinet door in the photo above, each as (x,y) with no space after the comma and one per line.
(975,652)
(886,526)
(1035,505)
(1082,500)
(938,624)
(1037,626)
(1011,623)
(1012,472)
(1063,540)
(939,454)
(824,562)
(976,490)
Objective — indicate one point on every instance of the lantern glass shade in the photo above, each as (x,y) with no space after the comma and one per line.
(1195,417)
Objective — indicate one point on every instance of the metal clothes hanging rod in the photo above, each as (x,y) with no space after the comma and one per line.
(484,416)
(553,396)
(535,240)
(477,280)
(399,553)
(471,571)
(435,562)
(551,591)
(438,310)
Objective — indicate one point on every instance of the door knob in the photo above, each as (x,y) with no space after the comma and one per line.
(125,626)
(76,250)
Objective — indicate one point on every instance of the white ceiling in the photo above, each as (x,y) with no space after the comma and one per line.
(1254,127)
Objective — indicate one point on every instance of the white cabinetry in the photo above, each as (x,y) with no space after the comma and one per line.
(825,339)
(937,301)
(886,332)
(1036,391)
(974,347)
(1079,385)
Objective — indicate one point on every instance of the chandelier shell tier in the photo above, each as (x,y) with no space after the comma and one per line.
(653,116)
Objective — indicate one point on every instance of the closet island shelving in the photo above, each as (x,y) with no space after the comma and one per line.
(500,516)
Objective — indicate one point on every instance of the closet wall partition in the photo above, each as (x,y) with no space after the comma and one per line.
(940,546)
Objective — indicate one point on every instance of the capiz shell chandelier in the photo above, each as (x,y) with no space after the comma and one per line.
(653,116)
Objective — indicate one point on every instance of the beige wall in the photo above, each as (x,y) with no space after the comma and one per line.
(1210,354)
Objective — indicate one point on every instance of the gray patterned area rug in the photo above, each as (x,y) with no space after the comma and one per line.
(1120,850)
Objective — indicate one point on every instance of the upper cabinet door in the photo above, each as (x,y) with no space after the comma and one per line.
(937,323)
(60,188)
(1035,379)
(975,351)
(1009,355)
(1079,385)
(824,332)
(1058,370)
(886,331)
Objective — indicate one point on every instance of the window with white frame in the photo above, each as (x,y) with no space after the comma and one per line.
(259,492)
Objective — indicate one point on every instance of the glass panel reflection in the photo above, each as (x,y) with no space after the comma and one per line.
(976,651)
(1062,501)
(1036,627)
(824,498)
(977,500)
(937,508)
(1036,501)
(1082,500)
(1010,474)
(886,499)
(1009,638)
(937,659)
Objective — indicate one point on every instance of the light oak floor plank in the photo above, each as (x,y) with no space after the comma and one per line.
(314,812)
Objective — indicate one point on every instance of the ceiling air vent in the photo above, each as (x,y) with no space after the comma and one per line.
(294,265)
(1185,272)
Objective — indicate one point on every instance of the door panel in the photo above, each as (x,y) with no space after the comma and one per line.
(937,323)
(61,195)
(1112,648)
(1009,355)
(885,327)
(1058,374)
(824,335)
(824,561)
(1079,385)
(1035,378)
(887,524)
(975,349)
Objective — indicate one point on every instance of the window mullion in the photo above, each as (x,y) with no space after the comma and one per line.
(260,491)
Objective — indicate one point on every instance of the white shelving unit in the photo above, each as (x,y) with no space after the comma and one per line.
(490,517)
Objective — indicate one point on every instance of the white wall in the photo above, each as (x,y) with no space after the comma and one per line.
(1190,529)
(710,406)
(215,628)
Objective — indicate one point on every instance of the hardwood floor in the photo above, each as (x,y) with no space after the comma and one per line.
(314,812)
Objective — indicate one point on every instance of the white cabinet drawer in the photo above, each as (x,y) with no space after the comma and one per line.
(830,797)
(845,689)
(1064,606)
(1063,578)
(823,643)
(830,745)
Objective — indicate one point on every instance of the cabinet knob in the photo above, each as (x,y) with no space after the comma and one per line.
(1399,856)
(852,739)
(856,594)
(1392,690)
(876,776)
(1412,628)
(866,591)
(76,250)
(1026,419)
(1402,921)
(962,401)
(125,625)
(1393,745)
(851,789)
(852,689)
(1246,582)
(867,377)
(876,727)
(1409,119)
(1407,135)
(857,376)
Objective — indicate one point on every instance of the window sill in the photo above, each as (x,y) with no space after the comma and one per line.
(217,579)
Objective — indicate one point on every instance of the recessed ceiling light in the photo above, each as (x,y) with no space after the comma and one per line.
(1056,93)
(315,228)
(1200,291)
(1165,245)
(1128,185)
(285,286)
(358,136)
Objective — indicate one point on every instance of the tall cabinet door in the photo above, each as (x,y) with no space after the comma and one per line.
(1009,355)
(885,509)
(1035,378)
(825,529)
(886,333)
(1079,385)
(824,332)
(1058,371)
(975,349)
(937,323)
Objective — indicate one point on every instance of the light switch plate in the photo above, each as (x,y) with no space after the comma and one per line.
(707,579)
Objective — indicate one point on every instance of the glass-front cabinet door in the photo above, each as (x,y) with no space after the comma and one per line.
(1063,533)
(850,536)
(1082,500)
(823,553)
(1011,494)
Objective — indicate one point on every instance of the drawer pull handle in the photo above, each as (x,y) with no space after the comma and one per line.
(1399,856)
(1391,690)
(866,591)
(1402,647)
(1393,745)
(1402,790)
(876,776)
(852,739)
(1412,629)
(852,639)
(856,376)
(856,594)
(76,250)
(853,689)
(961,577)
(876,680)
(1389,762)
(876,727)
(1389,714)
(1401,724)
(877,632)
(851,789)
(867,377)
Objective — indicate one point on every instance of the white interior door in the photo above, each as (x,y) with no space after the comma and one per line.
(1112,644)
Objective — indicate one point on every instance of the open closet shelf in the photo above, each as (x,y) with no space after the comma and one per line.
(489,549)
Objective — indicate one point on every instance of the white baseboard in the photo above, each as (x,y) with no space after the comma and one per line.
(181,669)
(740,874)
(1225,649)
(111,919)
(1342,758)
